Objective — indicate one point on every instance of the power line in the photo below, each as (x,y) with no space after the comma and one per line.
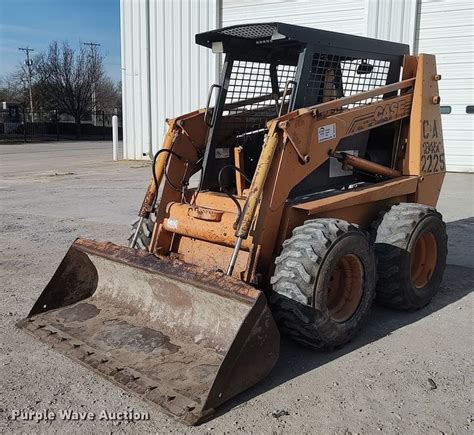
(26,50)
(92,45)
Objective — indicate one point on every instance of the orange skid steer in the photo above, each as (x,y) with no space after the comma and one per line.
(320,163)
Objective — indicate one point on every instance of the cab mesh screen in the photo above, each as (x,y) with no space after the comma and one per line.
(332,77)
(254,96)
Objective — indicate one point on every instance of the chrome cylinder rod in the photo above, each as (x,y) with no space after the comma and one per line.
(137,232)
(233,259)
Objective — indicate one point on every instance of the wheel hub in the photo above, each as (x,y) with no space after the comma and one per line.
(423,259)
(345,288)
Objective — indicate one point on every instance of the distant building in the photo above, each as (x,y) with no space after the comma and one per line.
(10,117)
(11,111)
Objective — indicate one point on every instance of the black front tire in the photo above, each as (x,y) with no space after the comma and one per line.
(301,298)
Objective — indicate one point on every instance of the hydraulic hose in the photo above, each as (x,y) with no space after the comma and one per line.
(169,151)
(223,189)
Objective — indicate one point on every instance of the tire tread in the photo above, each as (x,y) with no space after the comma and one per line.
(295,273)
(392,233)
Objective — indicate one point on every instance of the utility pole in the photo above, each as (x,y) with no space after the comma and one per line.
(28,69)
(93,46)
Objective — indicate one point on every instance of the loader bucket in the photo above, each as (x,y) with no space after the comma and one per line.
(181,337)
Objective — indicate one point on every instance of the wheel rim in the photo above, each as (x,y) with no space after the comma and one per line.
(345,288)
(423,259)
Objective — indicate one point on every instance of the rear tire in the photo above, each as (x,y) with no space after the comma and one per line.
(144,238)
(411,247)
(324,282)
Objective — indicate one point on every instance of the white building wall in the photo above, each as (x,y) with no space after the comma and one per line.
(164,73)
(135,77)
(181,71)
(446,28)
(336,15)
(392,20)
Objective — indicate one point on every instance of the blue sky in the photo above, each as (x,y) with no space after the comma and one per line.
(38,22)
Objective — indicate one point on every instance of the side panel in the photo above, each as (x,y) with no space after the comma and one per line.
(429,188)
(425,151)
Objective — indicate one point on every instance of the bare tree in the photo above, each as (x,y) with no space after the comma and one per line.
(108,95)
(11,90)
(66,78)
(14,87)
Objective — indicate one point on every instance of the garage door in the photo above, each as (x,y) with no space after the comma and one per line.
(446,28)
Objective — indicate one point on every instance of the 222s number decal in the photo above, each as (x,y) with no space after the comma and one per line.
(432,159)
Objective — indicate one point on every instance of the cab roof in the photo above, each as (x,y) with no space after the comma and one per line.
(258,39)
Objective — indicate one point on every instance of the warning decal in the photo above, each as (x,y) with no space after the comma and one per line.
(222,153)
(172,223)
(327,132)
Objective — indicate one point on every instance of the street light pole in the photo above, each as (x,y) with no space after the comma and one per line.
(92,46)
(28,70)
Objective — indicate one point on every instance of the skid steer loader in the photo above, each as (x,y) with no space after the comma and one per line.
(318,153)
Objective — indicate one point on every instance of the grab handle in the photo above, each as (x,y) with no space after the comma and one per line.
(285,94)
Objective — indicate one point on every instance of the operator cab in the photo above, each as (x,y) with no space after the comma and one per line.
(271,69)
